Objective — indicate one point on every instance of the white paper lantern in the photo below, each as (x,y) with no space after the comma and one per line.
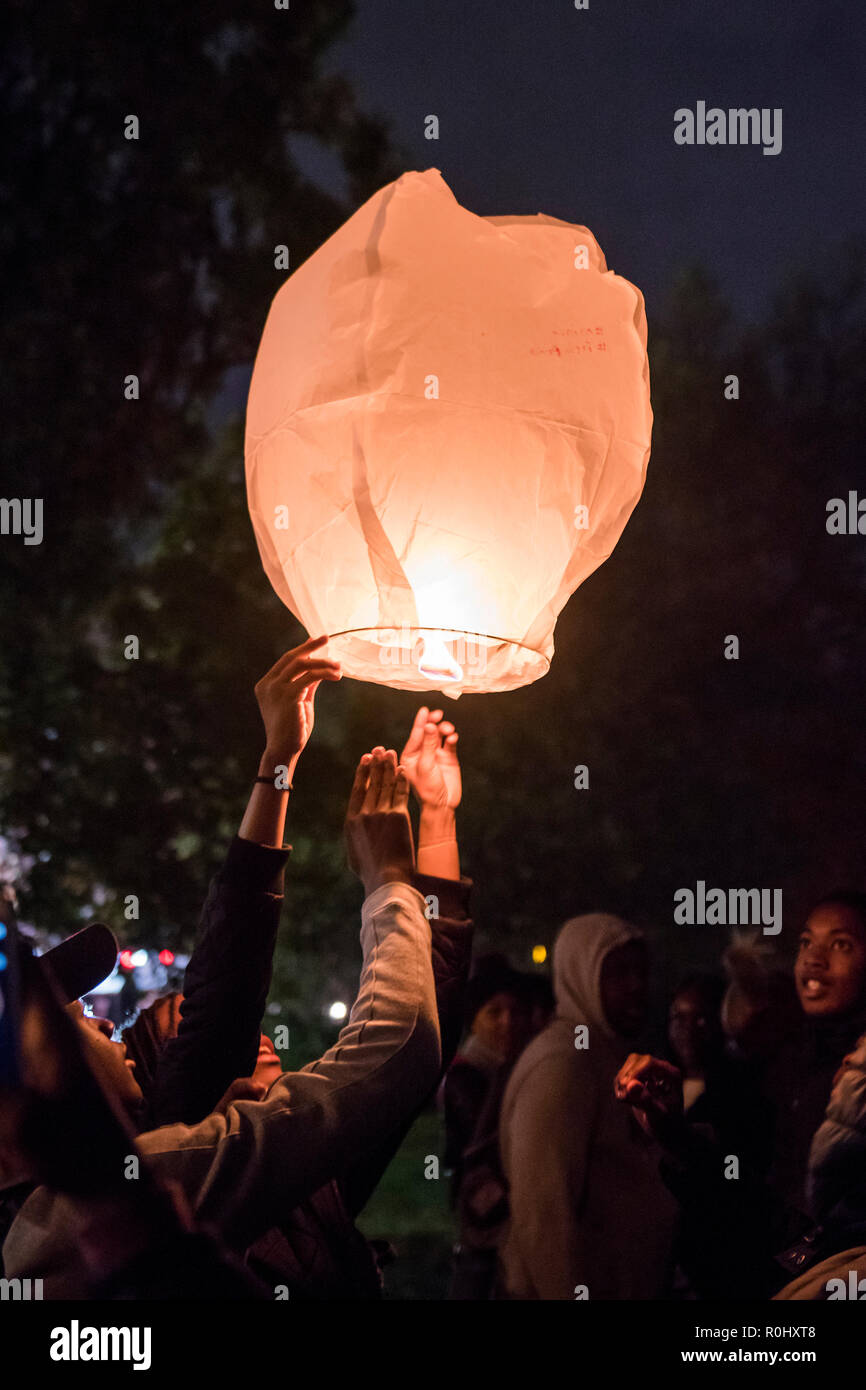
(448,427)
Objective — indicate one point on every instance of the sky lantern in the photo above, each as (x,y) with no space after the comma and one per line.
(448,427)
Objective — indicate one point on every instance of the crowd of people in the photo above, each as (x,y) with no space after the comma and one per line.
(732,1167)
(184,1162)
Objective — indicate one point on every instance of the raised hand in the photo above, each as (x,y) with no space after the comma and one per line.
(430,760)
(378,829)
(655,1091)
(285,697)
(242,1089)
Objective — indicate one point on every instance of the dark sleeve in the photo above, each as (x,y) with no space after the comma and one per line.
(742,1116)
(451,933)
(730,1228)
(463,1095)
(225,986)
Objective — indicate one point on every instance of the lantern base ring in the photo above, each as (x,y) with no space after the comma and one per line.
(430,658)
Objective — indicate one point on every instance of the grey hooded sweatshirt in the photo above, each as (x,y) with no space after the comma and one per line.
(590,1216)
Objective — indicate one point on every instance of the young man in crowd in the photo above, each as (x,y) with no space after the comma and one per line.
(741,1218)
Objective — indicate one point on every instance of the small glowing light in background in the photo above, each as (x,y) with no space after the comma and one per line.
(166,957)
(139,957)
(539,954)
(125,960)
(338,1010)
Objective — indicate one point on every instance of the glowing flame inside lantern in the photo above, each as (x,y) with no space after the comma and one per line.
(435,661)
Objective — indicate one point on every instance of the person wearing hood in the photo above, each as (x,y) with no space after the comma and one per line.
(589,1215)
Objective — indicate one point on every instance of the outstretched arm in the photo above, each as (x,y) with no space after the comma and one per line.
(432,766)
(430,760)
(285,698)
(248,1168)
(229,974)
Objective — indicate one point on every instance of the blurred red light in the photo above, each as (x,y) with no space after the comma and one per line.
(166,957)
(126,960)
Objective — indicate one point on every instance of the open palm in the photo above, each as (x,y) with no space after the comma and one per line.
(430,760)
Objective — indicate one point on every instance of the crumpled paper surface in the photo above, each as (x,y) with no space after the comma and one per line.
(448,427)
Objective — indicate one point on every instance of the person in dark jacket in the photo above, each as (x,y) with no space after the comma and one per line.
(721,1096)
(742,1217)
(498,1012)
(830,975)
(824,1260)
(497,1027)
(481,1192)
(720,1091)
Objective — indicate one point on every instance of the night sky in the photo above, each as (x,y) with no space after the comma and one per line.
(545,108)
